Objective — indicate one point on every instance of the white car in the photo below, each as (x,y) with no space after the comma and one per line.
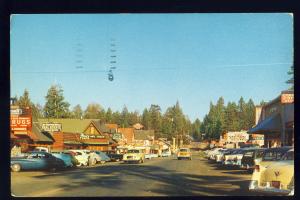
(234,158)
(166,154)
(81,156)
(94,158)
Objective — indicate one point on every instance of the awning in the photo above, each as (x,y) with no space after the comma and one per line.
(271,124)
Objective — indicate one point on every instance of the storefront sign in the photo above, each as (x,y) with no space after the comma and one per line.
(20,123)
(117,136)
(86,137)
(17,111)
(237,137)
(52,127)
(287,98)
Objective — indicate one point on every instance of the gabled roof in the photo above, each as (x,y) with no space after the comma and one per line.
(127,133)
(143,134)
(69,125)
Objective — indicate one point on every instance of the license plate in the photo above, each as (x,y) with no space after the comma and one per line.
(276,184)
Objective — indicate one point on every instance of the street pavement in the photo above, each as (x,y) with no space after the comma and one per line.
(155,177)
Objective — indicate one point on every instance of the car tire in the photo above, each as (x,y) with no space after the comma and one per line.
(117,160)
(16,167)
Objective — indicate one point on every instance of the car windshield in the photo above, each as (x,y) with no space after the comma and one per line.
(183,150)
(133,151)
(272,155)
(249,154)
(288,155)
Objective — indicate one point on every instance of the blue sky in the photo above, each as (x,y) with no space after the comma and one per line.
(161,58)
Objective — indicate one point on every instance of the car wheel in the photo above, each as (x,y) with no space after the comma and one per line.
(53,169)
(102,162)
(16,167)
(117,160)
(140,161)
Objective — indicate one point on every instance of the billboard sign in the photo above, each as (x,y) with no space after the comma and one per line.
(20,123)
(287,98)
(52,127)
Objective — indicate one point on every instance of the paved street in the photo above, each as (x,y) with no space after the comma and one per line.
(156,177)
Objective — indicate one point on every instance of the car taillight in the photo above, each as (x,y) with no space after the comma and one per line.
(256,168)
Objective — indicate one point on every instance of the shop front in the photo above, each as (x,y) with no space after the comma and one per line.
(275,120)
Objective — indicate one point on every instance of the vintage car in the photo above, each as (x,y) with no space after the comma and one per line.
(166,153)
(272,154)
(81,157)
(69,159)
(134,155)
(113,156)
(275,177)
(220,156)
(211,154)
(249,157)
(36,161)
(184,153)
(103,157)
(231,159)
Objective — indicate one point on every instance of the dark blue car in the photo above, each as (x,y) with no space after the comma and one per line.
(36,161)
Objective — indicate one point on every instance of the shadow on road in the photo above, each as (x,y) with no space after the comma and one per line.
(167,182)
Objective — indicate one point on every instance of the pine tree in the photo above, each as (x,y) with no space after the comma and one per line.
(55,106)
(291,80)
(109,115)
(77,112)
(93,111)
(125,117)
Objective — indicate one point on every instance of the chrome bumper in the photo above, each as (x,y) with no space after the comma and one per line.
(268,190)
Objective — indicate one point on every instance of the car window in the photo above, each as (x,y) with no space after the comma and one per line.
(249,154)
(259,154)
(133,151)
(183,150)
(288,155)
(271,155)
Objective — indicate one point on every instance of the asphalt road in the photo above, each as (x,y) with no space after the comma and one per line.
(156,177)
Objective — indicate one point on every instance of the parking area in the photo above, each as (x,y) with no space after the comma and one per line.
(156,177)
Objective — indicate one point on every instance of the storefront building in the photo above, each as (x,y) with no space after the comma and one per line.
(275,120)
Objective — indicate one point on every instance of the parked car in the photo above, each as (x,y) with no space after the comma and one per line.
(184,153)
(103,157)
(94,158)
(272,154)
(36,160)
(249,157)
(277,177)
(113,156)
(211,154)
(231,159)
(81,157)
(69,160)
(134,155)
(166,153)
(219,157)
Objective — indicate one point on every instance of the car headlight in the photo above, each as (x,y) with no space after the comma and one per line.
(291,193)
(253,184)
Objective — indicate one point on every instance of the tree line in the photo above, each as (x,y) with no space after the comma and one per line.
(232,117)
(172,123)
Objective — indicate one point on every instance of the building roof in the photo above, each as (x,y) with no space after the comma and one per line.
(111,126)
(69,125)
(127,133)
(71,137)
(40,136)
(138,126)
(143,134)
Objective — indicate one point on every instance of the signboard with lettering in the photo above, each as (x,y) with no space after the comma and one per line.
(52,127)
(86,136)
(287,98)
(117,136)
(20,123)
(237,137)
